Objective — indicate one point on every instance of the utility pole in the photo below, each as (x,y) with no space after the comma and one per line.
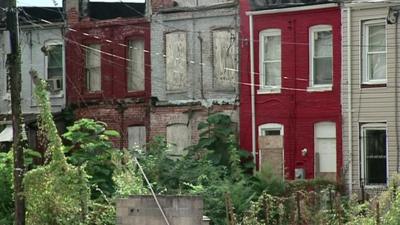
(14,73)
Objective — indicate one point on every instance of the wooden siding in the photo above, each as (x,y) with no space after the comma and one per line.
(369,105)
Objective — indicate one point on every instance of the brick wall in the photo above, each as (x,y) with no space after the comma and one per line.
(135,114)
(162,116)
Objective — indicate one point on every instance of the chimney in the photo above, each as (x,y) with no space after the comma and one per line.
(75,9)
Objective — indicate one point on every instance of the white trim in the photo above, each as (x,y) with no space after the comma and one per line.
(364,50)
(292,9)
(365,5)
(363,128)
(268,90)
(270,126)
(46,63)
(312,31)
(268,33)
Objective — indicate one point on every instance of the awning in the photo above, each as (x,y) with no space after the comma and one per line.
(7,134)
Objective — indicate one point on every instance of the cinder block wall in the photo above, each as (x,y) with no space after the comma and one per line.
(143,210)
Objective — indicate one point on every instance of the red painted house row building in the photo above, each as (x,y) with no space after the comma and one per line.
(290,90)
(289,68)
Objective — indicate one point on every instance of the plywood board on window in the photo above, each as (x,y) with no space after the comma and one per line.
(224,58)
(271,153)
(176,61)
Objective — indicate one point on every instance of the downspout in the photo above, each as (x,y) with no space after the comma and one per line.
(349,101)
(253,105)
(396,92)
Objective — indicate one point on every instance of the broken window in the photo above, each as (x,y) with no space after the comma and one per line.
(176,63)
(224,53)
(374,55)
(135,65)
(179,137)
(93,67)
(325,149)
(55,68)
(270,66)
(136,136)
(374,146)
(321,55)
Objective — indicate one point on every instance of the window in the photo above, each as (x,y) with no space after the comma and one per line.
(176,63)
(224,58)
(179,137)
(325,148)
(93,67)
(270,56)
(374,52)
(270,129)
(135,65)
(374,150)
(55,66)
(321,55)
(136,136)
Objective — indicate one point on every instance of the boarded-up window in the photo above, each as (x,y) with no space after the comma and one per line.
(136,65)
(136,136)
(224,54)
(93,67)
(270,143)
(179,137)
(325,149)
(176,63)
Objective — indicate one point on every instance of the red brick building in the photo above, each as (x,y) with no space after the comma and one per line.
(291,64)
(108,66)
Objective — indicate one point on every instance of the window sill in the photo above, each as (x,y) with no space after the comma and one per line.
(263,91)
(176,92)
(373,85)
(319,88)
(375,186)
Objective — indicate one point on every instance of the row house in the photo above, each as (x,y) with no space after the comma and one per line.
(108,66)
(290,99)
(194,66)
(42,49)
(370,94)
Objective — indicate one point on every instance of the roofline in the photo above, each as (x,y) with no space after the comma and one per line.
(292,9)
(361,5)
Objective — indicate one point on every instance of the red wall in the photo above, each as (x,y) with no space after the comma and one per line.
(295,108)
(112,35)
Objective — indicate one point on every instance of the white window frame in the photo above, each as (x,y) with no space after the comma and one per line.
(271,127)
(316,138)
(365,53)
(265,89)
(56,42)
(312,31)
(372,126)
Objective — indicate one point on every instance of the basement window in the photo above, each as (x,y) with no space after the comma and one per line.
(135,65)
(270,60)
(93,67)
(137,137)
(176,62)
(374,52)
(374,154)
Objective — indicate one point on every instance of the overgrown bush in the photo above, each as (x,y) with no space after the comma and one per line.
(6,192)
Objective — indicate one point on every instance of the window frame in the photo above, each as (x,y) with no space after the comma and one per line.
(268,88)
(128,61)
(363,129)
(318,137)
(271,127)
(46,61)
(87,48)
(364,49)
(312,31)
